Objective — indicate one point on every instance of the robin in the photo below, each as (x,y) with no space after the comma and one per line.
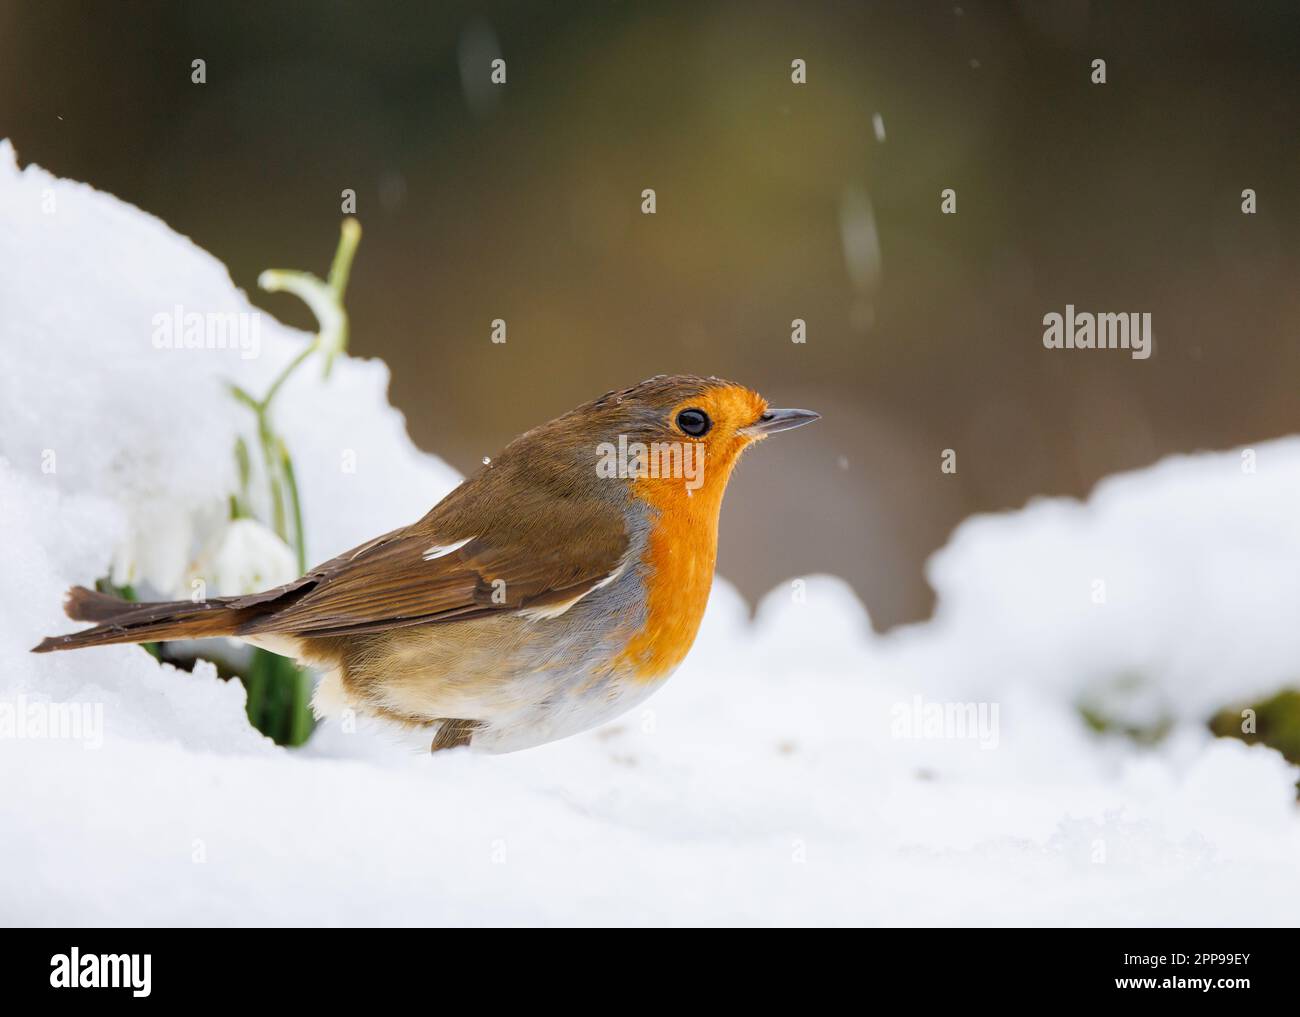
(554,589)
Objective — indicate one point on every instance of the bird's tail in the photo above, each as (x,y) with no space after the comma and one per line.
(124,621)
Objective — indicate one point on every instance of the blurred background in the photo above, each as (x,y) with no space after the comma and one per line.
(775,201)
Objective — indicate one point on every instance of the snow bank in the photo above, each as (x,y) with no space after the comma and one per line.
(797,769)
(1171,593)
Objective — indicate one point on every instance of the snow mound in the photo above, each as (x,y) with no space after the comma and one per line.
(1170,593)
(798,769)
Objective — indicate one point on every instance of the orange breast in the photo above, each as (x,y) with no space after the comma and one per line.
(680,554)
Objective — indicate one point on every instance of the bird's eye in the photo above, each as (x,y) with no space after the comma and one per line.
(694,422)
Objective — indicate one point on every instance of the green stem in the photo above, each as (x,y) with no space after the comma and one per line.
(265,403)
(243,397)
(291,485)
(300,719)
(343,255)
(240,504)
(273,473)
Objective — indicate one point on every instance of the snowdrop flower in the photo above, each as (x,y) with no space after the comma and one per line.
(324,297)
(247,557)
(156,552)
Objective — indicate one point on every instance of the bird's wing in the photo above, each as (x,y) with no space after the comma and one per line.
(413,577)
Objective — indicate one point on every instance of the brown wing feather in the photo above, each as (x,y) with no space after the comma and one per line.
(388,583)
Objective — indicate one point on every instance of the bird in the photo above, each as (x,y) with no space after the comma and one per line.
(555,588)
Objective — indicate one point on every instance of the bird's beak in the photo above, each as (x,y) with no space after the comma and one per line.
(778,420)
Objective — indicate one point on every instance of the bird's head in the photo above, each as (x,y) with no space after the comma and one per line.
(672,441)
(677,437)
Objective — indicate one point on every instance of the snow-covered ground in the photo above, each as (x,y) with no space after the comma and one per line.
(797,769)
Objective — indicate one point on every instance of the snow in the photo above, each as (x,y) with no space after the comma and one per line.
(791,772)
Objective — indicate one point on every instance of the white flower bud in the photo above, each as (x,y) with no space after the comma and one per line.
(247,557)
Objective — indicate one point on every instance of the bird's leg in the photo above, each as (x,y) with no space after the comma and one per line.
(452,734)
